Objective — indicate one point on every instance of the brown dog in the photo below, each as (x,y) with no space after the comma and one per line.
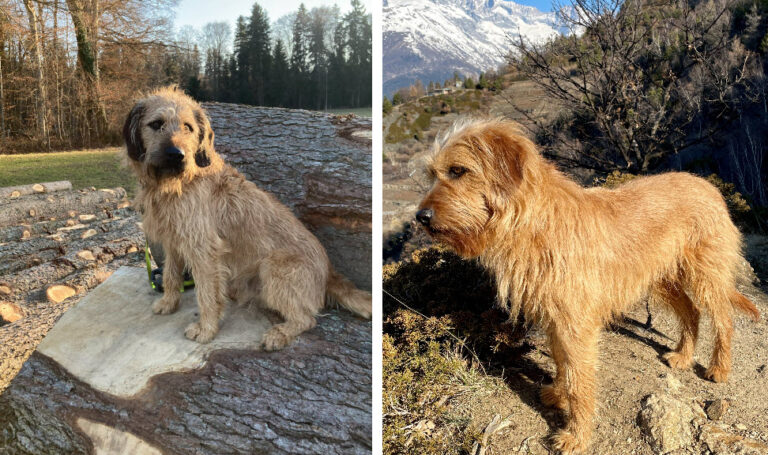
(573,258)
(237,240)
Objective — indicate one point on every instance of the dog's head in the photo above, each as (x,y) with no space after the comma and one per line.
(168,138)
(477,168)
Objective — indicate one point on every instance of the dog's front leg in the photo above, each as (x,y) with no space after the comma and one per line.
(210,284)
(173,269)
(577,363)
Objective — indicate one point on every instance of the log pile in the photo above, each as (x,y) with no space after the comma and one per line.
(50,259)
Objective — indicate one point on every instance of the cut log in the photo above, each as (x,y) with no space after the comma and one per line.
(10,312)
(17,211)
(27,280)
(59,293)
(86,255)
(18,255)
(224,397)
(13,233)
(47,187)
(319,165)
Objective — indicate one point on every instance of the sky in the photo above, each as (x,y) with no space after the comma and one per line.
(542,5)
(199,12)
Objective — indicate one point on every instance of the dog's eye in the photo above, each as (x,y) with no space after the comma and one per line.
(457,171)
(188,127)
(156,125)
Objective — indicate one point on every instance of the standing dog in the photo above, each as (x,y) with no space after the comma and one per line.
(237,240)
(572,258)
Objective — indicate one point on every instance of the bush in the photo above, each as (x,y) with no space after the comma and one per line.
(423,366)
(386,106)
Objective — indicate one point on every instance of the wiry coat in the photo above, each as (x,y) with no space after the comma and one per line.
(238,241)
(573,258)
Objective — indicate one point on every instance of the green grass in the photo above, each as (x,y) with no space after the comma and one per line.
(358,111)
(101,168)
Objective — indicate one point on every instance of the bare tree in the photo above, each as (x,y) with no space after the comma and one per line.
(639,79)
(37,52)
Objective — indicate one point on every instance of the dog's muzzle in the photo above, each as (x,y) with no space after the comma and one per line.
(424,216)
(173,160)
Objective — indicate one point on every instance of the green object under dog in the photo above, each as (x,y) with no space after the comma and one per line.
(156,275)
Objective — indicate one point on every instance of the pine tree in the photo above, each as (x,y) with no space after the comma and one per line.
(259,51)
(358,28)
(299,58)
(386,106)
(318,57)
(242,73)
(279,76)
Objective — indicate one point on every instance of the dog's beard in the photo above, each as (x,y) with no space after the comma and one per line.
(467,242)
(165,170)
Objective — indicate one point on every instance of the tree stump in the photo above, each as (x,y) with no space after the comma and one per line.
(319,165)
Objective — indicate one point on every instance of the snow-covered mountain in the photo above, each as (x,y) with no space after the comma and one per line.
(430,39)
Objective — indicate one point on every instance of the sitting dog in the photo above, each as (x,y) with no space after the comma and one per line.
(572,258)
(237,240)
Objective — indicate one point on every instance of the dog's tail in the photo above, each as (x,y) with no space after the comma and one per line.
(340,290)
(743,304)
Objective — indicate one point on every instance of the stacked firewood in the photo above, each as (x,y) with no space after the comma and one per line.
(56,243)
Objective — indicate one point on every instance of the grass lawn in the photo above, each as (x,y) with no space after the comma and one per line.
(101,168)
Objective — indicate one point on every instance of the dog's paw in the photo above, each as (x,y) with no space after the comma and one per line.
(716,374)
(551,397)
(566,442)
(195,332)
(275,339)
(678,361)
(165,306)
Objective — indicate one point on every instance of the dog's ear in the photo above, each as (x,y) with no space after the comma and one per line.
(205,140)
(132,133)
(510,152)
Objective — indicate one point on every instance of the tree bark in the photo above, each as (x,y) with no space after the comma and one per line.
(47,187)
(21,255)
(85,18)
(41,99)
(319,165)
(48,227)
(311,398)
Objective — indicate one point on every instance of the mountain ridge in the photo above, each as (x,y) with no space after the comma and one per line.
(430,39)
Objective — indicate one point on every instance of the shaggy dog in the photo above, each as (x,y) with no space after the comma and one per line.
(237,240)
(572,259)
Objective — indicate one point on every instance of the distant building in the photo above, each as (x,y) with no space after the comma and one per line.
(441,91)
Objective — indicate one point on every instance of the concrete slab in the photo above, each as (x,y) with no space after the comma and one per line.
(112,340)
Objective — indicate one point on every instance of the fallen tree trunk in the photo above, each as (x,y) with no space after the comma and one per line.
(36,207)
(21,255)
(48,227)
(319,165)
(33,188)
(39,276)
(312,397)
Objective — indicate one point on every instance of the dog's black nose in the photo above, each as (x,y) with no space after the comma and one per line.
(424,216)
(174,154)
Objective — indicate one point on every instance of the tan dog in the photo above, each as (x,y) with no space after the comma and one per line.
(237,240)
(572,258)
